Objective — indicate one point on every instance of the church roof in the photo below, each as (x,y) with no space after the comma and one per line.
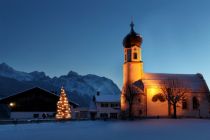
(194,82)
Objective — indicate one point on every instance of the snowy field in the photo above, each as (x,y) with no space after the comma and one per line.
(151,129)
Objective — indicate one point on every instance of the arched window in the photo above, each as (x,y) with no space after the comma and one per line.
(195,103)
(184,104)
(135,56)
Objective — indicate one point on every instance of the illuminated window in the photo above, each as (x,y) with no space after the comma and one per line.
(135,55)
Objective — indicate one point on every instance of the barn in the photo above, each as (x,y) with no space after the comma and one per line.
(34,103)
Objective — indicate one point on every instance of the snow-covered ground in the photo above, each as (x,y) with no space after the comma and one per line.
(151,129)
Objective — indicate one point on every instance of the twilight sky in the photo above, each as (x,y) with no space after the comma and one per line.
(56,36)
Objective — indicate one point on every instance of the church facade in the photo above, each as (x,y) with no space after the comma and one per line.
(140,91)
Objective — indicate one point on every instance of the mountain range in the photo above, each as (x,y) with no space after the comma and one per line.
(80,88)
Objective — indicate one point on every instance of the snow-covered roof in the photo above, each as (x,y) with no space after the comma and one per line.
(195,82)
(165,76)
(108,98)
(26,91)
(34,90)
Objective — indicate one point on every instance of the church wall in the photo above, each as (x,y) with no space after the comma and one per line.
(138,105)
(202,111)
(161,108)
(204,107)
(139,108)
(155,108)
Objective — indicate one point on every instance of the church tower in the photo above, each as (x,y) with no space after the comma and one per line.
(133,64)
(132,104)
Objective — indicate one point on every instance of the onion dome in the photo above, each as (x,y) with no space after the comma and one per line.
(132,38)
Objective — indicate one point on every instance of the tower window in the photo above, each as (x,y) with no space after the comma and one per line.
(125,57)
(129,55)
(135,55)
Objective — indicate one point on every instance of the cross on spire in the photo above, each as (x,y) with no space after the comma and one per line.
(132,24)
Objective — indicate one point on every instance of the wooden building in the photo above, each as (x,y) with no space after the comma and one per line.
(33,103)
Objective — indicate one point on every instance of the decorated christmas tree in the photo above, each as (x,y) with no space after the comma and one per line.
(63,107)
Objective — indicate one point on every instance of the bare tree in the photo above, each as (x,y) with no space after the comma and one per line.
(129,97)
(131,92)
(174,92)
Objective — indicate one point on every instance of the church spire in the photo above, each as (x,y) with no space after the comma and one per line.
(132,25)
(132,38)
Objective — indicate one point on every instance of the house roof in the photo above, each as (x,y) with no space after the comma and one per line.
(108,98)
(34,90)
(195,82)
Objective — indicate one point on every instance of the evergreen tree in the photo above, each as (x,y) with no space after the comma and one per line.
(63,107)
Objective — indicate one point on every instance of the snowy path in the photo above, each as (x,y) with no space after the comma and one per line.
(162,129)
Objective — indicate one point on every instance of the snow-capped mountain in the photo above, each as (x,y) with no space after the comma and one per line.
(80,88)
(7,71)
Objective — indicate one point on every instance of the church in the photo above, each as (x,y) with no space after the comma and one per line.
(140,96)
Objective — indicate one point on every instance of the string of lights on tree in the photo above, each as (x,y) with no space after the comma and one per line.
(63,107)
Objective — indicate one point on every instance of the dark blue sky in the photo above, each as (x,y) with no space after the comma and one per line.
(86,35)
